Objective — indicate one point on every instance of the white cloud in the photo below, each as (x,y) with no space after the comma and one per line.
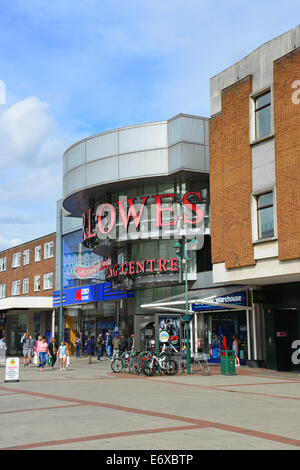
(24,128)
(31,171)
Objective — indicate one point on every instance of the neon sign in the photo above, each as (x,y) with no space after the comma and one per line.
(160,265)
(154,216)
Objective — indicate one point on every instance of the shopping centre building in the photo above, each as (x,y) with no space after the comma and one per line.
(192,215)
(135,206)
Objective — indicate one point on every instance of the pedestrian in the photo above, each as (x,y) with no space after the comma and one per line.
(108,343)
(77,346)
(130,342)
(42,351)
(235,348)
(25,342)
(32,345)
(37,359)
(53,351)
(99,346)
(123,343)
(116,343)
(62,353)
(90,348)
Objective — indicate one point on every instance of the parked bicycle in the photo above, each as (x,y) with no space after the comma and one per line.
(157,362)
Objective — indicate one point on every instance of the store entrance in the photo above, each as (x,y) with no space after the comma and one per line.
(220,328)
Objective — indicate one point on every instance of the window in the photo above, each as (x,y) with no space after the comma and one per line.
(2,291)
(265,217)
(26,257)
(37,283)
(48,250)
(16,260)
(48,281)
(26,286)
(37,253)
(3,264)
(15,288)
(263,125)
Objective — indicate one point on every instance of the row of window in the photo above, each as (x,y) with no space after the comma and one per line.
(17,257)
(16,285)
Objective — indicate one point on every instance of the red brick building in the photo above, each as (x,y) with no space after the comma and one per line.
(27,281)
(255,191)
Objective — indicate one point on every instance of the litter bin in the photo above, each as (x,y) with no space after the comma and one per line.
(228,362)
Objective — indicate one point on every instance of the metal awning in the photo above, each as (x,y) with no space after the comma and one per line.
(210,297)
(143,325)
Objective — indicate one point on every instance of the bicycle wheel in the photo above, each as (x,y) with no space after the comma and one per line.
(148,368)
(116,365)
(170,367)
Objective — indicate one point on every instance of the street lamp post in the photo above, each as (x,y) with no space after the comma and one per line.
(187,317)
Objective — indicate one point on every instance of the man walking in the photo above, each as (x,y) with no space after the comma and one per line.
(90,348)
(130,342)
(123,343)
(26,345)
(108,342)
(116,343)
(99,346)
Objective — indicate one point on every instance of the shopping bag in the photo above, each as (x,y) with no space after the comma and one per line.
(35,360)
(50,360)
(68,361)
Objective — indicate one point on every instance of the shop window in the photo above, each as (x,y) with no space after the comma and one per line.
(2,290)
(37,253)
(263,126)
(48,250)
(26,257)
(37,283)
(16,260)
(48,281)
(15,288)
(26,286)
(2,264)
(265,215)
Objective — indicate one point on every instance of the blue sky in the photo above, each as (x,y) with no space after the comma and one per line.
(75,68)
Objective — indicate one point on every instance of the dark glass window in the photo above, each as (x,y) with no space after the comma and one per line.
(265,215)
(263,115)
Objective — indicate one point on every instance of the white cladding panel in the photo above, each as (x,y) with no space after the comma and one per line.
(148,137)
(102,146)
(76,156)
(102,171)
(186,129)
(138,164)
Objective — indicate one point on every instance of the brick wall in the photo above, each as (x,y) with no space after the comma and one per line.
(287,150)
(30,270)
(231,178)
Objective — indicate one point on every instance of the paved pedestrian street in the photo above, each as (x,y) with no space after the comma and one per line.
(87,407)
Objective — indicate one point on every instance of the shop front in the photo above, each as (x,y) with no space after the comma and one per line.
(19,315)
(92,309)
(218,314)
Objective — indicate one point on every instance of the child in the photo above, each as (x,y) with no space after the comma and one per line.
(62,353)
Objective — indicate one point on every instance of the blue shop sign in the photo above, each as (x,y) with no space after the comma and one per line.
(236,298)
(90,293)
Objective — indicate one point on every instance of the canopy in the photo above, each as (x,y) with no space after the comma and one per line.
(215,297)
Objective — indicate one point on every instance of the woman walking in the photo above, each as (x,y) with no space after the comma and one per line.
(42,351)
(235,347)
(62,353)
(53,351)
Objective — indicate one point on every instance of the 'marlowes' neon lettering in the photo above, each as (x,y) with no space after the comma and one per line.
(156,216)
